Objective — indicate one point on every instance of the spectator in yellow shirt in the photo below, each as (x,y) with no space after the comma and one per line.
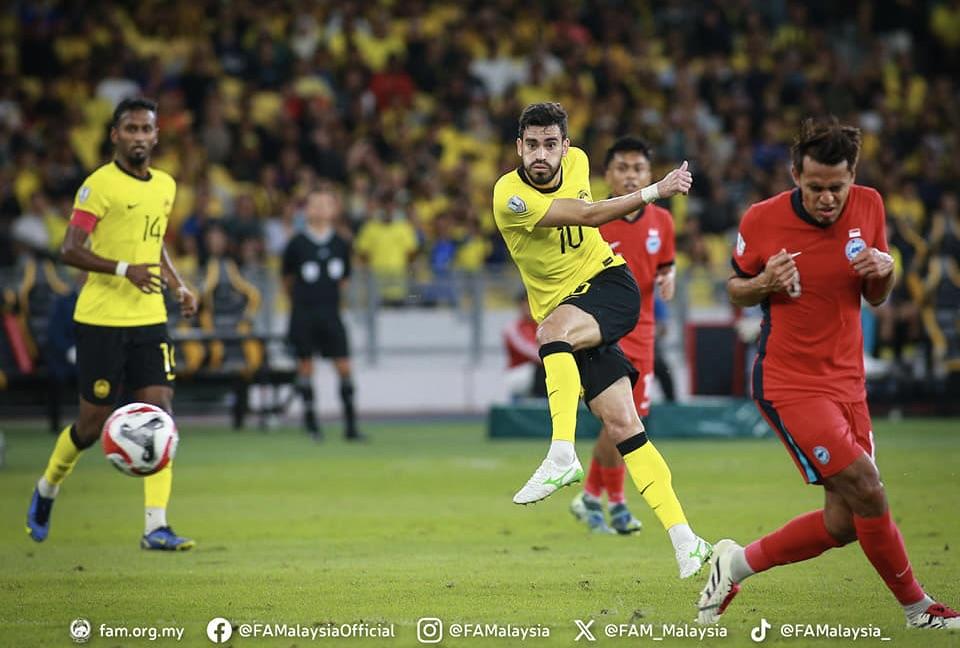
(906,204)
(387,244)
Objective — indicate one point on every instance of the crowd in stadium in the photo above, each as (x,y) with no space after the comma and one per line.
(411,107)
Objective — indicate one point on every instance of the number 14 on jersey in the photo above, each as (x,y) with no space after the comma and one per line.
(151,228)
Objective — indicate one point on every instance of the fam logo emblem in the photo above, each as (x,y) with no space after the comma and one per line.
(854,247)
(101,388)
(653,240)
(80,630)
(822,455)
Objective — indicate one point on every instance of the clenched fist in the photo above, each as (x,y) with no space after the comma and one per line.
(780,273)
(872,264)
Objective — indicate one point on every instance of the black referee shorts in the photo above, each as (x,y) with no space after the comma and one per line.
(111,357)
(613,299)
(318,332)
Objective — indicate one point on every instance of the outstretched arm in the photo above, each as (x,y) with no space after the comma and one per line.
(570,211)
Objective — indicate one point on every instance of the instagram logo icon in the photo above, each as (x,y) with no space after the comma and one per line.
(429,630)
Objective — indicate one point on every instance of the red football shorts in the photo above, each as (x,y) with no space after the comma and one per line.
(641,390)
(822,436)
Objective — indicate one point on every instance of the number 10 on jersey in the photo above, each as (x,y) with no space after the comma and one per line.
(568,239)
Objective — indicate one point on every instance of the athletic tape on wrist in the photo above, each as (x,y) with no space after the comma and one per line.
(650,193)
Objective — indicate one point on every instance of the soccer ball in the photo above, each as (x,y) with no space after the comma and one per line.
(139,439)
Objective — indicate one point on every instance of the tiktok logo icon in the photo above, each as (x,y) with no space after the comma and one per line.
(759,633)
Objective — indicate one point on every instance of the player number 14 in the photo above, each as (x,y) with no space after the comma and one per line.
(151,228)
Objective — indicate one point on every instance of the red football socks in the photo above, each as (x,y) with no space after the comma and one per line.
(594,483)
(613,482)
(801,538)
(882,543)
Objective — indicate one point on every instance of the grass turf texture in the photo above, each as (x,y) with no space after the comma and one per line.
(419,523)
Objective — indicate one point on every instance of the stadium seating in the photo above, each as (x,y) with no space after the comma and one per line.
(25,354)
(224,349)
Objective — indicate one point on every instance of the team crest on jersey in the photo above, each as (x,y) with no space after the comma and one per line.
(517,205)
(854,247)
(101,388)
(822,455)
(741,244)
(83,194)
(653,241)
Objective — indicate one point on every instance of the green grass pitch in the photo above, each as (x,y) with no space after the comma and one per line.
(419,523)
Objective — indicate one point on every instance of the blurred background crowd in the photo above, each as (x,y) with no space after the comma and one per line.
(410,108)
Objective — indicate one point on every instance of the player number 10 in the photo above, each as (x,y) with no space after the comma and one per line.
(166,351)
(566,238)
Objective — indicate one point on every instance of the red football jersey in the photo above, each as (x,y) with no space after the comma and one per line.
(811,343)
(647,244)
(520,337)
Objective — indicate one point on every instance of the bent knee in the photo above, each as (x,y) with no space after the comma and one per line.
(621,428)
(864,492)
(868,490)
(549,332)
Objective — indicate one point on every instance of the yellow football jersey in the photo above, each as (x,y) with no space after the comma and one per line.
(132,218)
(553,261)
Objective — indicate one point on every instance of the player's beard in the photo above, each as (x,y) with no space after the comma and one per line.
(138,157)
(541,177)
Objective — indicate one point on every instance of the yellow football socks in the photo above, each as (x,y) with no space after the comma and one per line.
(652,477)
(62,459)
(157,487)
(563,388)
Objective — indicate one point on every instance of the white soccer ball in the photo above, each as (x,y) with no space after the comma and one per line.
(139,439)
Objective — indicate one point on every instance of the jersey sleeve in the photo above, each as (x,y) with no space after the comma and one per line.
(747,259)
(173,196)
(580,171)
(92,197)
(517,206)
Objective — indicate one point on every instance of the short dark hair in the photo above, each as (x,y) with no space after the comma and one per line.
(543,114)
(826,141)
(129,105)
(627,143)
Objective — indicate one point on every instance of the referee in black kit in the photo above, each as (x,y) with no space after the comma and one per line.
(316,267)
